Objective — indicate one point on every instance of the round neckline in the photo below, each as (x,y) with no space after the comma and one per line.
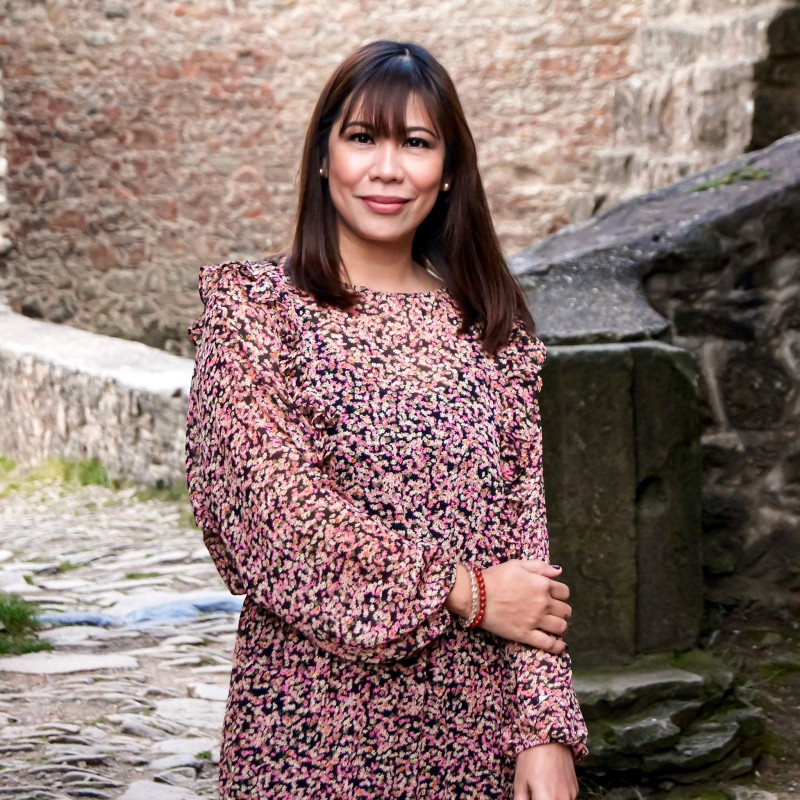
(431,292)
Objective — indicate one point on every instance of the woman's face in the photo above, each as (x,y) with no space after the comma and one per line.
(383,189)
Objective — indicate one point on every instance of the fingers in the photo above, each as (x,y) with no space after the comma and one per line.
(547,642)
(554,625)
(560,591)
(559,609)
(541,567)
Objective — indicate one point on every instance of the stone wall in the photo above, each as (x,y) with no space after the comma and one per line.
(146,138)
(711,79)
(718,257)
(66,393)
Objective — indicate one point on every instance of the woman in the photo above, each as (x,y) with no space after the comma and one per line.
(364,459)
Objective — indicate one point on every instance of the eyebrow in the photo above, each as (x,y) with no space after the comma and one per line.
(359,124)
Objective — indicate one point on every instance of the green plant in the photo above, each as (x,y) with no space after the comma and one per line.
(735,176)
(166,492)
(203,755)
(17,615)
(137,576)
(19,625)
(91,473)
(7,465)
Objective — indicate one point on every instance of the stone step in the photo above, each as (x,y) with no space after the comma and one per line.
(685,39)
(638,170)
(650,680)
(669,721)
(668,8)
(707,105)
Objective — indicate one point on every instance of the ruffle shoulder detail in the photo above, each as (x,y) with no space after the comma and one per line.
(521,360)
(259,295)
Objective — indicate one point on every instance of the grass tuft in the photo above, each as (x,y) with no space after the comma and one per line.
(18,626)
(7,465)
(167,493)
(736,176)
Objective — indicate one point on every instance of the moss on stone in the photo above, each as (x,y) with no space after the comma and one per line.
(735,176)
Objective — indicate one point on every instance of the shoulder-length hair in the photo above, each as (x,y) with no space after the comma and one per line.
(457,239)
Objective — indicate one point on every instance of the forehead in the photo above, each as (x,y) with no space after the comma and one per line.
(391,113)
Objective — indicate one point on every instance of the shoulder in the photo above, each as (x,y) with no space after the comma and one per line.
(245,295)
(524,355)
(258,280)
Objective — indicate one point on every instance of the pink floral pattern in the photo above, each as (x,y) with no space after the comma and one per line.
(340,464)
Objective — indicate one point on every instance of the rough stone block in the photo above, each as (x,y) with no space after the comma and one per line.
(622,476)
(668,479)
(67,393)
(589,467)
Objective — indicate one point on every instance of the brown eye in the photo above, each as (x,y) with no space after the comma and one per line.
(361,138)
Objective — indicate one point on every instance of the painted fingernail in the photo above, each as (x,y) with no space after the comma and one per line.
(555,566)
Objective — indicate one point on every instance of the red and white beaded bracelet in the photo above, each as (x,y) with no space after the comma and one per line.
(478,590)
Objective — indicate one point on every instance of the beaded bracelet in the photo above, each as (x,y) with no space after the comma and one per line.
(474,590)
(481,598)
(478,591)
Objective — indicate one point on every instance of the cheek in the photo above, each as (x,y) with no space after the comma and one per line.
(428,177)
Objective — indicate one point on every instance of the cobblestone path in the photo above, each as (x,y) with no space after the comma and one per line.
(131,705)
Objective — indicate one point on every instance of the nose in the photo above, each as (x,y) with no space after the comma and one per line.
(386,163)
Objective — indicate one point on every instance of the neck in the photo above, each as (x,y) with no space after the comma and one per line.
(383,266)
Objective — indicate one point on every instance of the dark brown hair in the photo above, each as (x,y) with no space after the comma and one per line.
(457,239)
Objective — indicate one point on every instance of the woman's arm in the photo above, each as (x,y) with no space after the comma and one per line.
(279,528)
(544,709)
(546,772)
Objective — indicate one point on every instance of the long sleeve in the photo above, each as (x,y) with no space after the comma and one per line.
(544,708)
(276,524)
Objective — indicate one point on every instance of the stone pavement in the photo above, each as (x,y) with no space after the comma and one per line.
(130,706)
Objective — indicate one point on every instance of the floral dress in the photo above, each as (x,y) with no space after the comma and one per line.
(340,464)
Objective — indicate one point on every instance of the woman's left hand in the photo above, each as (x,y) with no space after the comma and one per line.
(545,772)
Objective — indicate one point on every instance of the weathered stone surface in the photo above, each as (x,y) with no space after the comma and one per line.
(678,723)
(597,298)
(62,663)
(587,420)
(721,265)
(650,732)
(709,744)
(602,692)
(749,793)
(668,479)
(149,790)
(72,394)
(192,713)
(623,495)
(88,733)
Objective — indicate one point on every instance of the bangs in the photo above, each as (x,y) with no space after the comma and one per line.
(380,100)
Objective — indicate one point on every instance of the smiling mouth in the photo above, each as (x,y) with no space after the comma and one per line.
(382,204)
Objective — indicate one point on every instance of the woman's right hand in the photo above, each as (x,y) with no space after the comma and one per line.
(524,602)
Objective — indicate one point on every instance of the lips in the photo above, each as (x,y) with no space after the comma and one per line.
(384,204)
